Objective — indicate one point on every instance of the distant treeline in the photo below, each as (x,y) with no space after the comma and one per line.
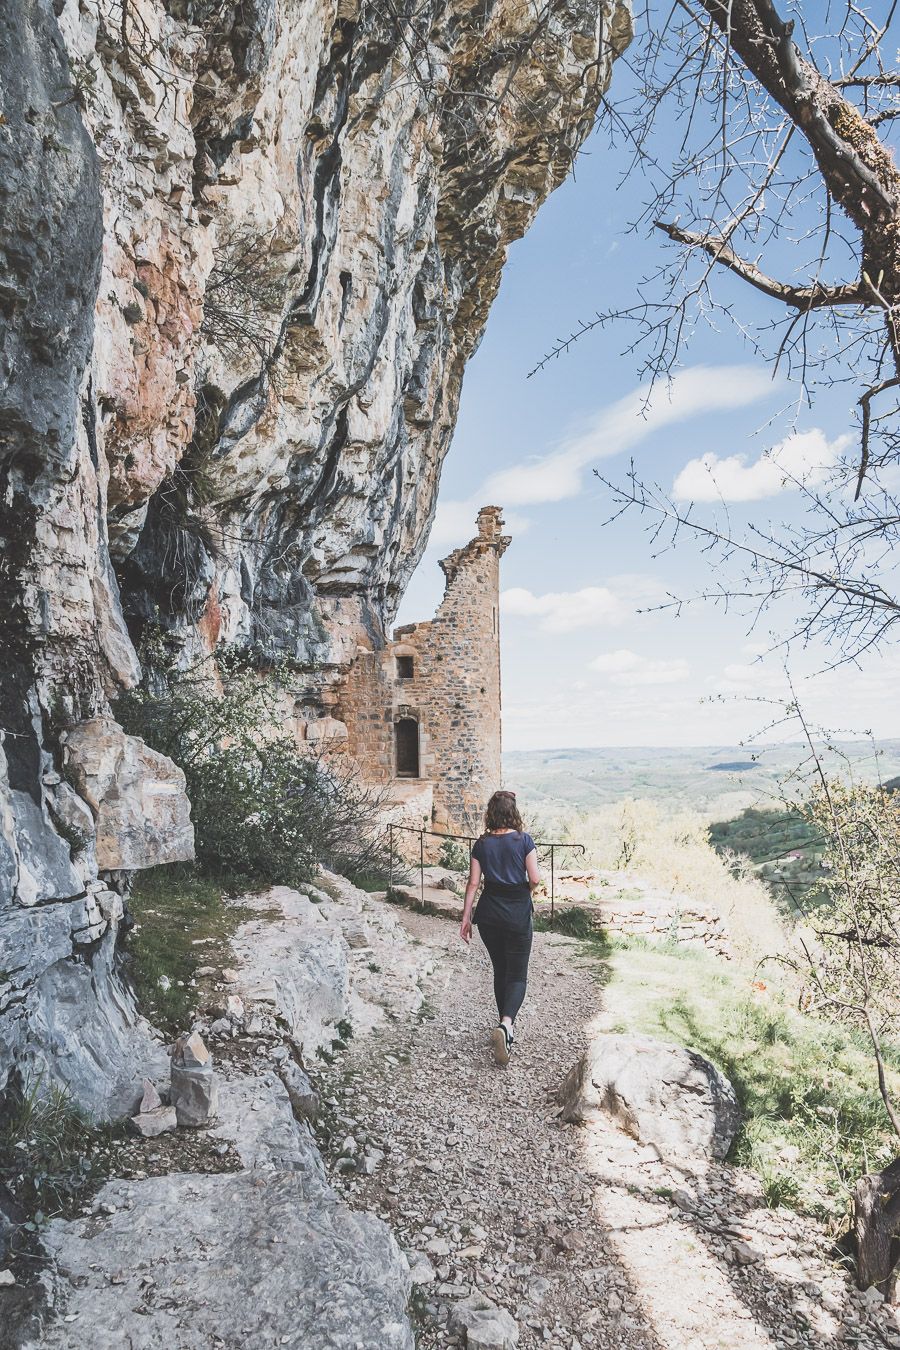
(763,834)
(783,847)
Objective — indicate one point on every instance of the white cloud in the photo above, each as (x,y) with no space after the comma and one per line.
(627,668)
(564,611)
(753,678)
(556,712)
(802,458)
(621,427)
(590,607)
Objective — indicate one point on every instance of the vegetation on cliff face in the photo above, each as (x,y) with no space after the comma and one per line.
(51,1155)
(265,811)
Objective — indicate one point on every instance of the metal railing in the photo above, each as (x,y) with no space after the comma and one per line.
(470,839)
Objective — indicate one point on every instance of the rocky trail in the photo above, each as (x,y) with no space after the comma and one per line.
(581,1239)
(359,1117)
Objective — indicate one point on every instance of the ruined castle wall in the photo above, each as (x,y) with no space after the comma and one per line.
(453,693)
(460,653)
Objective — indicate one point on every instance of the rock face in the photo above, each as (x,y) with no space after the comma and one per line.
(662,1095)
(241,1259)
(269,1254)
(136,796)
(248,249)
(295,965)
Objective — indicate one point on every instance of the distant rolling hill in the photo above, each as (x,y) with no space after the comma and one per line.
(720,781)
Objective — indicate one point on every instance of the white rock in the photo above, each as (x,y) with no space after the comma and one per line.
(193,1051)
(421,1270)
(194,1094)
(486,1326)
(150,1098)
(660,1094)
(158,1120)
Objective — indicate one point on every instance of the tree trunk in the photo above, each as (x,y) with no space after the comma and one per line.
(857,167)
(876,1219)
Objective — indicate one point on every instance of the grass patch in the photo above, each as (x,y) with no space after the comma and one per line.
(181,922)
(366,880)
(52,1158)
(329,887)
(573,921)
(813,1119)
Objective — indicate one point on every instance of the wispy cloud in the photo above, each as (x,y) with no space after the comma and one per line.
(589,607)
(804,458)
(627,669)
(612,431)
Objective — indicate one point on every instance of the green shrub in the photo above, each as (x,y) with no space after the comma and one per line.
(265,812)
(454,856)
(573,921)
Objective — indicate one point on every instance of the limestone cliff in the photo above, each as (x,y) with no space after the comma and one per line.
(247,249)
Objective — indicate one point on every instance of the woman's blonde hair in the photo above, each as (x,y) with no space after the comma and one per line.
(502,813)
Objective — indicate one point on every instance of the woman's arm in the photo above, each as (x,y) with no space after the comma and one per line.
(465,928)
(531,869)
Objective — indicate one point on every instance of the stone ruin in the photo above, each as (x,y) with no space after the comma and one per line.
(422,714)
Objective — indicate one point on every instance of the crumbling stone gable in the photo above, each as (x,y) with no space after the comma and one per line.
(444,677)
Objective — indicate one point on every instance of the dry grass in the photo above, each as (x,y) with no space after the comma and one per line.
(672,851)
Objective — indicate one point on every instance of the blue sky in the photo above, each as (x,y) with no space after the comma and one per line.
(582,666)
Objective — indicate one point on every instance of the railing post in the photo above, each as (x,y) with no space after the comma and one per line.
(391,853)
(422,867)
(552,885)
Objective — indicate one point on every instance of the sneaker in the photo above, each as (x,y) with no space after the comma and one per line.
(501,1041)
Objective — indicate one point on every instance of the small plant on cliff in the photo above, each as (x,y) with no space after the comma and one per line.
(51,1156)
(265,811)
(243,297)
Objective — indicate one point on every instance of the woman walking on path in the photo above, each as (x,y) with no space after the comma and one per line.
(507,859)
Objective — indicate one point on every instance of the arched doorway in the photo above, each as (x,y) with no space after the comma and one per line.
(406,739)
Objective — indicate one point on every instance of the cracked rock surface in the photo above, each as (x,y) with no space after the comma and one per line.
(255,1248)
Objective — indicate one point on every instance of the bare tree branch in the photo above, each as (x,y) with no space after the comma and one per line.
(801,297)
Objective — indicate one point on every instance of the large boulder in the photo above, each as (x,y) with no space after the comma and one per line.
(663,1095)
(141,811)
(296,964)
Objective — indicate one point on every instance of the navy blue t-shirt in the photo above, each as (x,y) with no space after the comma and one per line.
(502,857)
(506,899)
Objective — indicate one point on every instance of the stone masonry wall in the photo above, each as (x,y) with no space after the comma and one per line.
(454,692)
(629,906)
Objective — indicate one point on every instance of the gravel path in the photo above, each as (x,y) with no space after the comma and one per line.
(584,1237)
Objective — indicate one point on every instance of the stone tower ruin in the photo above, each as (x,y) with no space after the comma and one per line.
(423,713)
